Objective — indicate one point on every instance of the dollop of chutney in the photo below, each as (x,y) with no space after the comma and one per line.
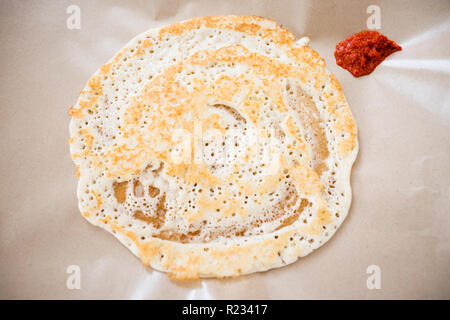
(362,52)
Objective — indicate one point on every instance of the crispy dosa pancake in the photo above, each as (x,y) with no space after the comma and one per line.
(215,147)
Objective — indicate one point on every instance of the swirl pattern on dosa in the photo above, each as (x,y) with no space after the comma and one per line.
(215,147)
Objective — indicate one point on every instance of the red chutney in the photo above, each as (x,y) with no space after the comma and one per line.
(364,51)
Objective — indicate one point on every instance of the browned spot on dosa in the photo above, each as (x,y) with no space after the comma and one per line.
(152,191)
(120,191)
(157,219)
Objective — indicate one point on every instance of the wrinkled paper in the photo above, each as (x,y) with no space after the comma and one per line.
(395,242)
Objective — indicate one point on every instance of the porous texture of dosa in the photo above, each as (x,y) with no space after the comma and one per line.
(214,147)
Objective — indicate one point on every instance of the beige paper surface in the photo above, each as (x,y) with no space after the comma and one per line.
(400,214)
